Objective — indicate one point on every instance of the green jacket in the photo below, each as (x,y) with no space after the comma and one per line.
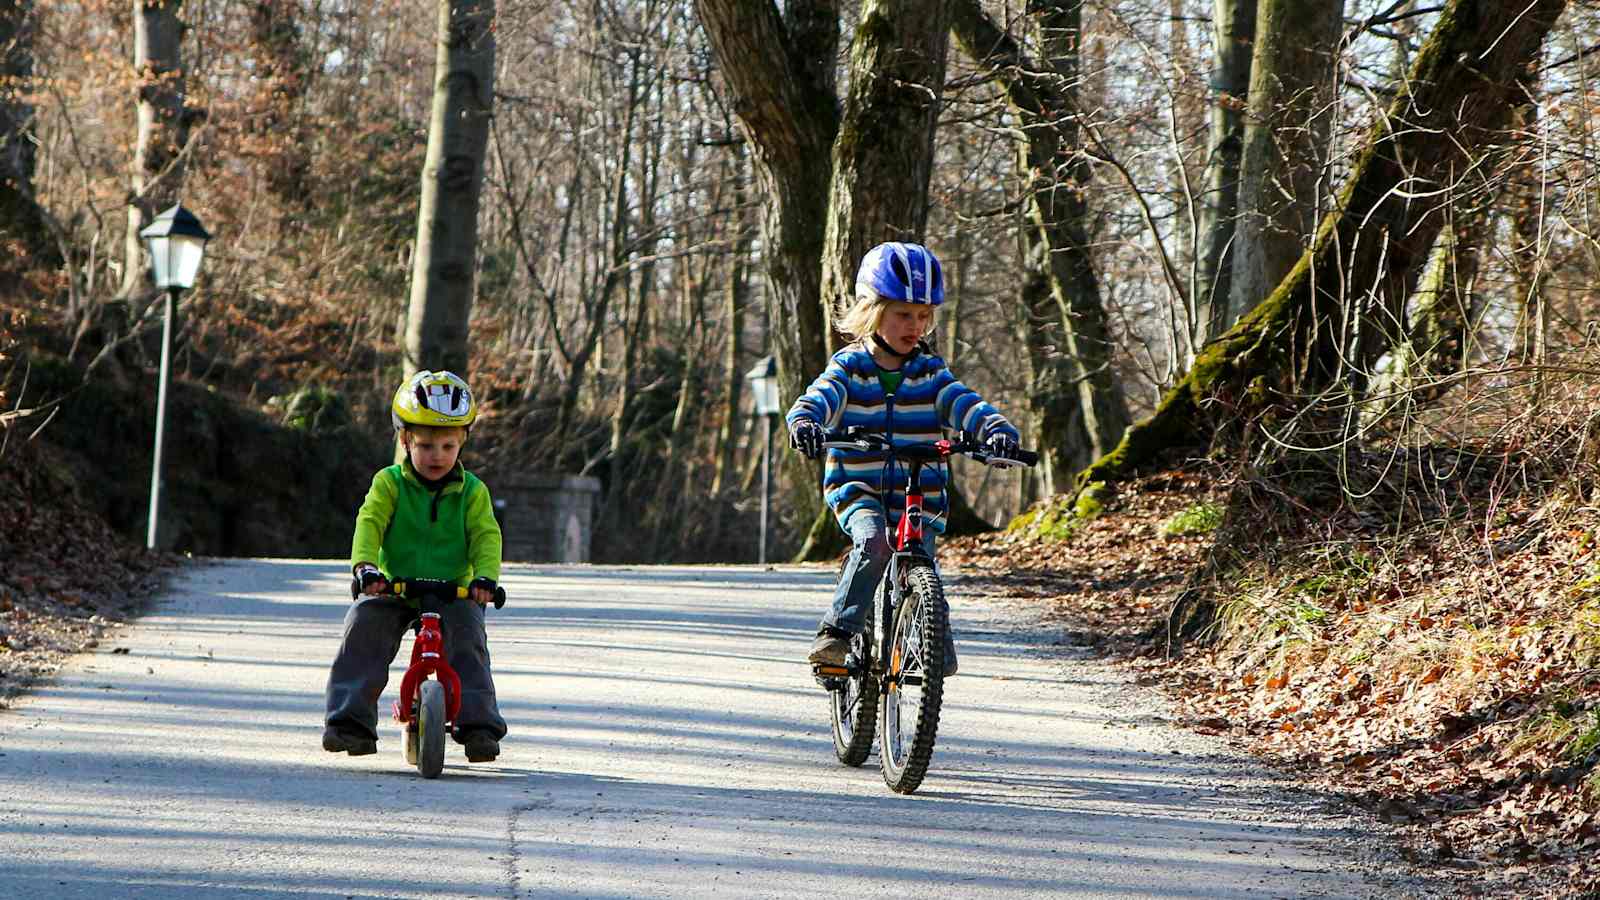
(412,532)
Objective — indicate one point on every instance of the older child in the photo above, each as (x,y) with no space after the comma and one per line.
(887,381)
(425,518)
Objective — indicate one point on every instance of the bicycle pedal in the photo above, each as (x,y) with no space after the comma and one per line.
(826,671)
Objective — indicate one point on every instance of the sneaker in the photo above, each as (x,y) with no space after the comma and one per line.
(951,664)
(830,647)
(480,746)
(336,741)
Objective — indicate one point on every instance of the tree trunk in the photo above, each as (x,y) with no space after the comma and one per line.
(21,218)
(1465,83)
(779,70)
(735,293)
(1292,89)
(1234,25)
(883,156)
(1064,445)
(452,180)
(882,161)
(157,169)
(1044,97)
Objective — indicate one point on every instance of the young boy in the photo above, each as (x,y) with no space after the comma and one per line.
(425,518)
(886,380)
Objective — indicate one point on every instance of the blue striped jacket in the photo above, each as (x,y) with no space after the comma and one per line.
(929,400)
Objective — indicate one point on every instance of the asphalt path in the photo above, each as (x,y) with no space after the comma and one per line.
(666,741)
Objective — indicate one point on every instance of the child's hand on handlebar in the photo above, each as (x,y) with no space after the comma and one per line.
(1002,445)
(481,591)
(806,436)
(368,580)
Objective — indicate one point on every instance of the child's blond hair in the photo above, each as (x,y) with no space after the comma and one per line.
(861,319)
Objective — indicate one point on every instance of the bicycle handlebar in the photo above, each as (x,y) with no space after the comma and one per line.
(856,438)
(405,587)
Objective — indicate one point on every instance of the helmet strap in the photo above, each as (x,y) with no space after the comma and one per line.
(884,346)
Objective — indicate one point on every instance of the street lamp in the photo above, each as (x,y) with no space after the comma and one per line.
(176,243)
(763,378)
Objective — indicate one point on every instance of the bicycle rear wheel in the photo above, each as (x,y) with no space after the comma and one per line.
(430,729)
(854,706)
(908,709)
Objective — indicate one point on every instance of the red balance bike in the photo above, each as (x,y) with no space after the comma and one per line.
(430,692)
(897,663)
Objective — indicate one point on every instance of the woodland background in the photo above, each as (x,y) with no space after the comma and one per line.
(622,281)
(1334,262)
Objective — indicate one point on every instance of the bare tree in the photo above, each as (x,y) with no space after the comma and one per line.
(157,168)
(1285,143)
(1233,24)
(1056,168)
(21,217)
(1309,335)
(452,181)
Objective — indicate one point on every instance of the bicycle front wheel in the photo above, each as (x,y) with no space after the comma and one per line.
(908,710)
(430,729)
(854,706)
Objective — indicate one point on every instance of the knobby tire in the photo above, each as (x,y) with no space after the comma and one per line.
(908,725)
(855,706)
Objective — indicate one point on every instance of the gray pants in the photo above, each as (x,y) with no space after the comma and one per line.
(373,629)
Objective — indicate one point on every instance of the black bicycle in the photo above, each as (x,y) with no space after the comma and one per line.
(895,667)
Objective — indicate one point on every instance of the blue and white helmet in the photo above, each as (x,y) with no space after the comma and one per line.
(902,271)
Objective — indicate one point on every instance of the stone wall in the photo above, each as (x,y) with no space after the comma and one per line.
(545,518)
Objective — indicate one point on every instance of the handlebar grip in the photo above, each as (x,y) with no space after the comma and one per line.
(1027,457)
(499,597)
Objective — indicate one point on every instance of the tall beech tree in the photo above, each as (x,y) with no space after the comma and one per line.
(1290,111)
(779,68)
(452,181)
(1333,314)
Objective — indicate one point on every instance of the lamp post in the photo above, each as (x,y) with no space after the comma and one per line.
(763,378)
(176,243)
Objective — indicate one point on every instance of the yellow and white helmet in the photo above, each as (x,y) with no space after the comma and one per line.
(436,399)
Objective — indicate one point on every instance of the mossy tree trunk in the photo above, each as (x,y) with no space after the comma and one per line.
(1328,320)
(882,161)
(883,155)
(1444,310)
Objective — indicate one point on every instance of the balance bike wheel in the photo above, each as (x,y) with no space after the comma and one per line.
(430,729)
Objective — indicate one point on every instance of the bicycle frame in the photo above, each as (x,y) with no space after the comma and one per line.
(909,546)
(427,659)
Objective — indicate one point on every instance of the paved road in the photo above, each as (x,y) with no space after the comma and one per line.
(666,742)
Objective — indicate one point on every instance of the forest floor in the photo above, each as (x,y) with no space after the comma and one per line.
(1441,673)
(1439,670)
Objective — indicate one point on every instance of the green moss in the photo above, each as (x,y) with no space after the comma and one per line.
(1091,501)
(1023,521)
(1200,518)
(1051,520)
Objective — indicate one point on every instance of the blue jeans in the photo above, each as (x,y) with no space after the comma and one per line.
(852,600)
